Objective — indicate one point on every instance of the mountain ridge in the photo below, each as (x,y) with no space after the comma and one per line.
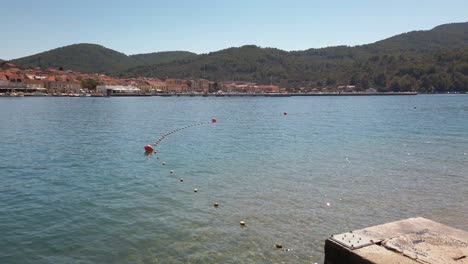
(408,61)
(90,58)
(415,60)
(161,56)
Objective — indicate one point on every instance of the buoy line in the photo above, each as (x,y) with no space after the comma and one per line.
(160,139)
(150,150)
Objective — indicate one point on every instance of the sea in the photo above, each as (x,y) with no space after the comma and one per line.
(77,187)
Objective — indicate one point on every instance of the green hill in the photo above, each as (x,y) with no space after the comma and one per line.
(161,57)
(90,58)
(79,57)
(448,36)
(433,60)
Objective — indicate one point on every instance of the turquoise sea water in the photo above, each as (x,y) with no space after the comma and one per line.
(75,186)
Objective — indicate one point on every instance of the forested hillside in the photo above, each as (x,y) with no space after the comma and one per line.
(426,61)
(161,57)
(92,58)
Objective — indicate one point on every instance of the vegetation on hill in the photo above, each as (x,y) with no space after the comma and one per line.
(86,58)
(161,57)
(92,58)
(448,36)
(424,61)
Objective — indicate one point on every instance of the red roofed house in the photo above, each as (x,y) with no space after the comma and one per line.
(199,86)
(3,80)
(34,84)
(106,80)
(157,85)
(62,84)
(266,89)
(176,86)
(13,77)
(3,77)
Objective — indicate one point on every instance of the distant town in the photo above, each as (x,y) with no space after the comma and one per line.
(58,82)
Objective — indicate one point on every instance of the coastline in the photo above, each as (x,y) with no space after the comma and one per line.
(218,95)
(287,94)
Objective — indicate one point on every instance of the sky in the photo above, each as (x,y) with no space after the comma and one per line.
(202,26)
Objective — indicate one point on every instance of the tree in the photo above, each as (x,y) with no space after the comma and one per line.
(380,80)
(353,80)
(395,85)
(331,81)
(89,84)
(213,88)
(364,82)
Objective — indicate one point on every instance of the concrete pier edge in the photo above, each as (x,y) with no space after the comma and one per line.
(409,241)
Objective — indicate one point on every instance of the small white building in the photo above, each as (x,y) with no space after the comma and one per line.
(108,90)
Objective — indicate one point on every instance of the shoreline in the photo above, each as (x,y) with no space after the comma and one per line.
(222,95)
(287,94)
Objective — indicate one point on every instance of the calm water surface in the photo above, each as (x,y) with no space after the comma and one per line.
(76,187)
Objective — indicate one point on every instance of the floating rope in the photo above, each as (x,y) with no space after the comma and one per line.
(157,142)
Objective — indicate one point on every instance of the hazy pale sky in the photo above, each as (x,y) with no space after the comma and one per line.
(143,26)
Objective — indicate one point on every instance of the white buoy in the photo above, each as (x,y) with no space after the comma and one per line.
(195,190)
(328,204)
(242,223)
(164,163)
(216,204)
(171,171)
(181,179)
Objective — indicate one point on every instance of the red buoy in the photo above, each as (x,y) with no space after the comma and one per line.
(213,120)
(148,148)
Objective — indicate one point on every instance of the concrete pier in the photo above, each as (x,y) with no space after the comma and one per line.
(410,241)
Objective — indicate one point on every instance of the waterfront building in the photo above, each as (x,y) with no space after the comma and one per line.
(265,89)
(34,84)
(61,84)
(118,90)
(175,86)
(200,86)
(3,77)
(157,85)
(248,87)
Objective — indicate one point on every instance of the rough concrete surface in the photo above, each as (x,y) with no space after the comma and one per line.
(409,241)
